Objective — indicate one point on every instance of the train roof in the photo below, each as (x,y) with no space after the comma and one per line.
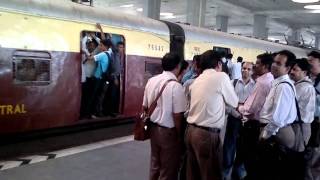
(68,10)
(216,37)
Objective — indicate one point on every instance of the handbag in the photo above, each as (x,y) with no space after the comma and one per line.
(141,130)
(292,136)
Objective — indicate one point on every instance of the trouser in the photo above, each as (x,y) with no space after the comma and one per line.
(231,149)
(112,100)
(85,96)
(277,162)
(203,153)
(165,153)
(95,97)
(313,152)
(250,138)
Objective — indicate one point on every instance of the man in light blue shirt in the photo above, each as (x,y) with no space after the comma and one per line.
(102,60)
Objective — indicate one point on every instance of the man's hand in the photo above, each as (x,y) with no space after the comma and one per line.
(98,25)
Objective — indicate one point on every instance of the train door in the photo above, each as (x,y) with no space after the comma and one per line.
(102,93)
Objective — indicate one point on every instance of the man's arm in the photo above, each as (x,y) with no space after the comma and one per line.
(103,37)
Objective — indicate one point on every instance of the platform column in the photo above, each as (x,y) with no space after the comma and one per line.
(260,29)
(151,9)
(196,12)
(222,23)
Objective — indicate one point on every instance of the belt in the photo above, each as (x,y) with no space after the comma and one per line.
(156,124)
(210,129)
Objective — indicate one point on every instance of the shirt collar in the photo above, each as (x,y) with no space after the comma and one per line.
(280,79)
(304,79)
(266,75)
(169,74)
(209,71)
(251,81)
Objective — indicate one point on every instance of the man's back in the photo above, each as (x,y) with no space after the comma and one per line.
(209,93)
(172,100)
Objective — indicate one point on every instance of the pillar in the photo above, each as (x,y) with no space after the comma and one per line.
(196,12)
(222,23)
(317,42)
(260,29)
(295,36)
(151,9)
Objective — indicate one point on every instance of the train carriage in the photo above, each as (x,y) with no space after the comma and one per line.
(49,33)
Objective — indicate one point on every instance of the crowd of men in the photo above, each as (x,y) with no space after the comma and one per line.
(270,113)
(102,65)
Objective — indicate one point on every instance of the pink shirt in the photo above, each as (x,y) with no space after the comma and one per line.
(253,105)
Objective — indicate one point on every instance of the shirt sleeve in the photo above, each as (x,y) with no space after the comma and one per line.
(145,97)
(84,46)
(307,104)
(282,104)
(98,57)
(255,101)
(228,93)
(179,99)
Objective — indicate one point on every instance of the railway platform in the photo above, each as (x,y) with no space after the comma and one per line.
(114,159)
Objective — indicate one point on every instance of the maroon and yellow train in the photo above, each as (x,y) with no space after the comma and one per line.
(49,33)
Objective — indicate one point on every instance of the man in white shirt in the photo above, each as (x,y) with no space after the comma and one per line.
(236,69)
(209,93)
(166,119)
(306,95)
(243,88)
(278,112)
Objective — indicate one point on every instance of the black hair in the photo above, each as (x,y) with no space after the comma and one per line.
(120,43)
(291,58)
(170,61)
(197,59)
(303,64)
(266,59)
(240,59)
(107,43)
(229,56)
(183,66)
(209,60)
(314,54)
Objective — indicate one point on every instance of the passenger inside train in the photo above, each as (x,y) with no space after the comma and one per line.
(102,73)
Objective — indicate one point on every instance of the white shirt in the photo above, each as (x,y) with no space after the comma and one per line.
(243,91)
(172,100)
(236,70)
(306,96)
(87,69)
(279,109)
(209,93)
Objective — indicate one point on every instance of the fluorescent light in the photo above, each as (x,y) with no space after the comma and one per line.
(166,14)
(169,17)
(139,9)
(127,5)
(315,11)
(305,1)
(315,7)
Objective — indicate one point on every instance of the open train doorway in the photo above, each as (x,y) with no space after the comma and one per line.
(102,75)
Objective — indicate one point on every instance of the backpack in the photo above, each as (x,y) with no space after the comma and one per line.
(107,75)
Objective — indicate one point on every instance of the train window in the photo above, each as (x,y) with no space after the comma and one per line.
(151,69)
(221,49)
(31,68)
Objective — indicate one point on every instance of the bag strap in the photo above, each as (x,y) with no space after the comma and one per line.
(298,111)
(296,101)
(235,82)
(154,103)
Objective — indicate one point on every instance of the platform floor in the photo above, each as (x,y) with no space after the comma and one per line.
(129,160)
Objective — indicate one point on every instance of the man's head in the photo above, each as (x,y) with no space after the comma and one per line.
(240,59)
(282,63)
(91,46)
(229,56)
(105,44)
(211,60)
(120,47)
(247,70)
(314,60)
(28,63)
(171,62)
(263,64)
(300,70)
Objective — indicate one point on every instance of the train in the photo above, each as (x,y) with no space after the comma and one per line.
(49,33)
